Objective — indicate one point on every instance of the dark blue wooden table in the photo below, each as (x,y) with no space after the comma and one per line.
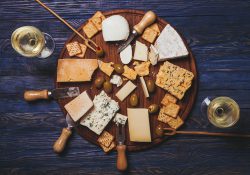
(218,33)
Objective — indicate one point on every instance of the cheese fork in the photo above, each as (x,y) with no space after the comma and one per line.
(121,148)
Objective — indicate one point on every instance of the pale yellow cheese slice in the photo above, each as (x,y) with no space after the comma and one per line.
(138,123)
(125,90)
(79,106)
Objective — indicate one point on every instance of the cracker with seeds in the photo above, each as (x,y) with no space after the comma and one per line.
(149,35)
(175,122)
(73,48)
(97,20)
(90,29)
(163,117)
(83,48)
(105,139)
(172,109)
(168,98)
(107,149)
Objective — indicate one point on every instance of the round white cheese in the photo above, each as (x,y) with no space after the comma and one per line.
(126,55)
(115,28)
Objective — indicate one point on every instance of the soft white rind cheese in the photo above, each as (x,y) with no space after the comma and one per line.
(170,45)
(115,28)
(126,55)
(103,111)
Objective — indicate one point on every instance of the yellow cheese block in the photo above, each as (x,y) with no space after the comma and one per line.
(138,123)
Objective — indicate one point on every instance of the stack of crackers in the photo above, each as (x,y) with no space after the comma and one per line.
(169,112)
(76,49)
(174,79)
(94,24)
(106,141)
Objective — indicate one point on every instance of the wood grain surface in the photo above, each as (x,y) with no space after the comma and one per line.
(133,17)
(218,33)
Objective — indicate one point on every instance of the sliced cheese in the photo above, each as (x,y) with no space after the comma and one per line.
(75,70)
(170,45)
(138,123)
(125,90)
(153,55)
(115,28)
(126,55)
(79,106)
(144,87)
(141,52)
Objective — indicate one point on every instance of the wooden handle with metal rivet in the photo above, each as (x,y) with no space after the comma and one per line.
(61,142)
(148,19)
(36,95)
(121,158)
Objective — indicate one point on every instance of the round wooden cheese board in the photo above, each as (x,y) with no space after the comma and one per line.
(110,48)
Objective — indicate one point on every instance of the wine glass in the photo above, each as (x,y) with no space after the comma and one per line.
(31,42)
(222,112)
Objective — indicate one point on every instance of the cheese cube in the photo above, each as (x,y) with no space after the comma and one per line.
(141,52)
(79,106)
(138,123)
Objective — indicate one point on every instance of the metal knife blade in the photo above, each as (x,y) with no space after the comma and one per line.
(120,134)
(70,122)
(64,92)
(128,41)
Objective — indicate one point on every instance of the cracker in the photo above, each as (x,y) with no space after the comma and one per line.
(149,35)
(129,73)
(107,149)
(155,27)
(99,15)
(175,122)
(83,48)
(106,67)
(168,98)
(142,69)
(172,109)
(163,117)
(90,30)
(73,48)
(97,20)
(105,139)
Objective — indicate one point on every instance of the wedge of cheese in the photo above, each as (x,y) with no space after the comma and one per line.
(138,124)
(79,106)
(75,70)
(141,51)
(170,45)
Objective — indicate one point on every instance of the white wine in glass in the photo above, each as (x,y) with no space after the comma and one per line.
(31,42)
(222,112)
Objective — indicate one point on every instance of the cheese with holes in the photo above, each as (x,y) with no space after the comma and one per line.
(125,90)
(144,87)
(75,70)
(170,45)
(79,106)
(141,51)
(138,124)
(103,111)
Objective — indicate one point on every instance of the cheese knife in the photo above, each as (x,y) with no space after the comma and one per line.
(33,95)
(61,142)
(121,148)
(146,21)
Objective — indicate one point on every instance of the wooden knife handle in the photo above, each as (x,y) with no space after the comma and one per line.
(146,21)
(121,157)
(36,95)
(61,142)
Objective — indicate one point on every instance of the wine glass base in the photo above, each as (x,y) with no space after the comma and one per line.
(49,47)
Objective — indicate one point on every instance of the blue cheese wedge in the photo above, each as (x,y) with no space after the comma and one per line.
(170,45)
(103,111)
(120,119)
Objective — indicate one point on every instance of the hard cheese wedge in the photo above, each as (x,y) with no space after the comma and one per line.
(75,70)
(125,90)
(79,106)
(138,123)
(170,45)
(141,51)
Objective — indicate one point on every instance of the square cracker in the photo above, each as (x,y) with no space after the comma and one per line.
(149,35)
(105,139)
(73,48)
(99,14)
(175,122)
(168,98)
(107,149)
(163,117)
(83,48)
(172,109)
(155,27)
(97,20)
(90,30)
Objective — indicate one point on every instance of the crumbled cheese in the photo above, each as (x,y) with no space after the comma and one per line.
(117,80)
